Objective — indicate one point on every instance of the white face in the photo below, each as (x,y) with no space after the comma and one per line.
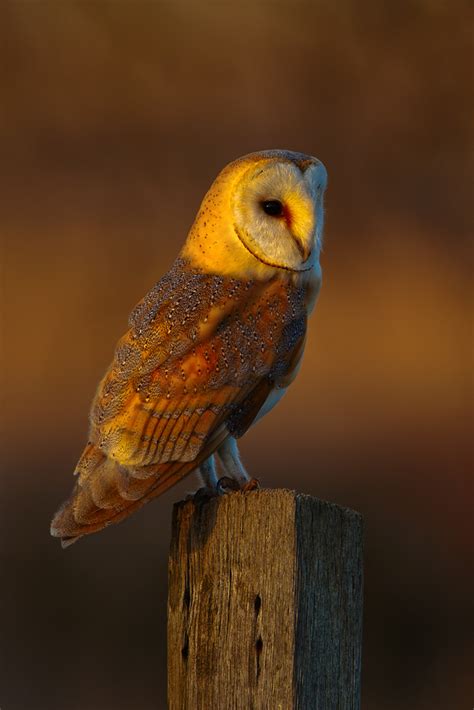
(278,213)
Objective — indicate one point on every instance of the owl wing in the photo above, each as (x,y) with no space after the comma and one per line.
(202,351)
(201,356)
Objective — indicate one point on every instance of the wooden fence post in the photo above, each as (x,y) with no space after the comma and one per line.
(264,604)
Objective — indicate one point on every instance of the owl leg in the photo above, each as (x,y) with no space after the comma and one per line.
(208,474)
(230,458)
(236,476)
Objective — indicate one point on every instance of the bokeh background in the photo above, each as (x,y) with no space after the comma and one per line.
(114,119)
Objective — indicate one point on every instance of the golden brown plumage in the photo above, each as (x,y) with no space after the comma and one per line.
(204,352)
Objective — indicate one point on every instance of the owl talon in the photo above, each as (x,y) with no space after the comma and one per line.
(252,485)
(226,484)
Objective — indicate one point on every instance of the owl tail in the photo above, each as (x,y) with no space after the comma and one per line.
(106,493)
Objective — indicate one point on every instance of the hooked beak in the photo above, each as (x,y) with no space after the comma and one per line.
(304,249)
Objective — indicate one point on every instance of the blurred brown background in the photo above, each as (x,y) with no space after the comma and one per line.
(114,119)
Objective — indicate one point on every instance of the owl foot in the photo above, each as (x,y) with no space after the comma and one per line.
(226,484)
(252,485)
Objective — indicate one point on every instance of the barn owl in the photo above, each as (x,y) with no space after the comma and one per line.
(211,348)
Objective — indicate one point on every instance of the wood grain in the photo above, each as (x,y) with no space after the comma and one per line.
(265,604)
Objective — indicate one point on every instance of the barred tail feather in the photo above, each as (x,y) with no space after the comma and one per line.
(102,494)
(107,492)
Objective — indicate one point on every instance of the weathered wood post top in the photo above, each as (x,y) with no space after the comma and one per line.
(265,604)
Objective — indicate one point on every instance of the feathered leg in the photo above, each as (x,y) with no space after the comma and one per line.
(236,476)
(208,474)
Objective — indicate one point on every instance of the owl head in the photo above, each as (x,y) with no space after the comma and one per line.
(263,213)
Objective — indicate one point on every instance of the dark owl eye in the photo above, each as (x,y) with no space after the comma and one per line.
(272,207)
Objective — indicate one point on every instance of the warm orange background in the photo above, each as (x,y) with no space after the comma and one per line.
(114,119)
